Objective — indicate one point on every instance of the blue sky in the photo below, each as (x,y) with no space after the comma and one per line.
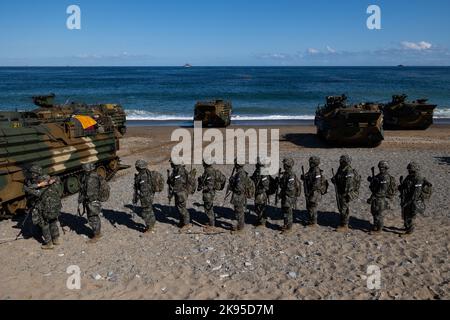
(224,32)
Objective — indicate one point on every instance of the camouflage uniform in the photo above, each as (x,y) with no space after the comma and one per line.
(288,193)
(206,183)
(239,198)
(44,200)
(89,197)
(414,191)
(381,186)
(262,185)
(178,185)
(345,186)
(313,192)
(143,192)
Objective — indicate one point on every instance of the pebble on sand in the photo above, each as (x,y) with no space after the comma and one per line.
(292,275)
(96,276)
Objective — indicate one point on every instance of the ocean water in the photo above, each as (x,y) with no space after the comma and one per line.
(257,93)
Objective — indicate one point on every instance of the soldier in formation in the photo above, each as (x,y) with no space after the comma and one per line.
(89,198)
(237,185)
(144,193)
(315,185)
(44,194)
(262,185)
(414,191)
(178,188)
(383,188)
(208,184)
(346,182)
(44,202)
(290,190)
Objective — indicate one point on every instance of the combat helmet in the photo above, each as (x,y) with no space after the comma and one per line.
(141,164)
(314,161)
(88,167)
(35,170)
(345,159)
(414,167)
(288,162)
(383,165)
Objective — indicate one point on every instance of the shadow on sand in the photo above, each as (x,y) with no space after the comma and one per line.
(443,160)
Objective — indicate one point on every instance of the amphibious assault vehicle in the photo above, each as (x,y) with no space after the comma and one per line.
(60,144)
(48,111)
(354,125)
(215,113)
(402,115)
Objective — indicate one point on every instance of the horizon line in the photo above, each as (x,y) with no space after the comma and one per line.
(229,66)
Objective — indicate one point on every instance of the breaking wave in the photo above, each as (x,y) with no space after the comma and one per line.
(442,113)
(152,116)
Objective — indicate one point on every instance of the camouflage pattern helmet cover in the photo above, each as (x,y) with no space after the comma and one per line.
(141,164)
(88,167)
(414,166)
(289,162)
(346,159)
(383,165)
(314,161)
(35,169)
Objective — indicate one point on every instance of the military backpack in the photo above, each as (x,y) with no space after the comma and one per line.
(104,190)
(191,184)
(249,188)
(354,193)
(156,181)
(219,181)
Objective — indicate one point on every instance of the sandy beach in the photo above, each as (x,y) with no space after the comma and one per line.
(260,263)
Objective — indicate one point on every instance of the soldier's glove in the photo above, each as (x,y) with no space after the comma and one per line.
(333,180)
(369,201)
(369,179)
(302,177)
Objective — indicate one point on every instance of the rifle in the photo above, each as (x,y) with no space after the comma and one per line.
(228,192)
(135,194)
(277,194)
(305,186)
(23,224)
(336,191)
(402,196)
(169,190)
(371,179)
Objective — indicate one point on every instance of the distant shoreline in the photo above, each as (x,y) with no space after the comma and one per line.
(243,123)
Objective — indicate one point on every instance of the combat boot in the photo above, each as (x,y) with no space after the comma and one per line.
(286,230)
(375,232)
(186,228)
(47,246)
(312,224)
(95,238)
(56,242)
(343,229)
(261,224)
(148,229)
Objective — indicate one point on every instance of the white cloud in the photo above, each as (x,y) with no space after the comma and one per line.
(312,51)
(419,46)
(330,49)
